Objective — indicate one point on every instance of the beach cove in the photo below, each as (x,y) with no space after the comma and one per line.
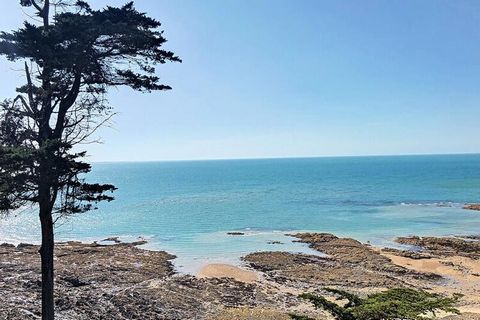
(242,239)
(123,281)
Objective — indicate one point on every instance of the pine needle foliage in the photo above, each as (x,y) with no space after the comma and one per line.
(392,304)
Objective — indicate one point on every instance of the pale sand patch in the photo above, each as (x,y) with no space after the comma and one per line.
(218,270)
(462,271)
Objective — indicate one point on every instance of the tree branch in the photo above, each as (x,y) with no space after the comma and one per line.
(25,104)
(37,6)
(33,107)
(65,104)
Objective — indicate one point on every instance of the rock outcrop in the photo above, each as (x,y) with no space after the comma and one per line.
(118,281)
(445,246)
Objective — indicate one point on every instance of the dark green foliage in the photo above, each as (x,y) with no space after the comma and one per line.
(404,304)
(353,300)
(397,303)
(73,57)
(107,37)
(336,310)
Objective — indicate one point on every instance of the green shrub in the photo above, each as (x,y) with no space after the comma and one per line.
(392,304)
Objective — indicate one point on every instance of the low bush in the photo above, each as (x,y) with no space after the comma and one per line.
(392,304)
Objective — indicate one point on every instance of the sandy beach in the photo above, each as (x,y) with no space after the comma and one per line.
(218,270)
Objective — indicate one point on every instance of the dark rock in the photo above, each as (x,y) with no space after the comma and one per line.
(113,239)
(74,281)
(133,244)
(445,246)
(408,254)
(275,242)
(25,245)
(471,237)
(472,206)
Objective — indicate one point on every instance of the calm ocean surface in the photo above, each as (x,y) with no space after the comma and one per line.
(188,207)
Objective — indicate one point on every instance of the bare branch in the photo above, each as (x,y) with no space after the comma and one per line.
(37,6)
(31,101)
(94,129)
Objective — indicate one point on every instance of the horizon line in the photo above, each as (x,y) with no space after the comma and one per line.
(289,157)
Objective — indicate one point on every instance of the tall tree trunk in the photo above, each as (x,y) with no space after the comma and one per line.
(46,253)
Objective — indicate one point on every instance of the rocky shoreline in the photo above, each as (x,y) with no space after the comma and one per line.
(122,281)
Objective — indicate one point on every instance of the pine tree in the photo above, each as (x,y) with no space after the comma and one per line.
(70,58)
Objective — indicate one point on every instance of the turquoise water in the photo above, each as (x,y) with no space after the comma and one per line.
(187,207)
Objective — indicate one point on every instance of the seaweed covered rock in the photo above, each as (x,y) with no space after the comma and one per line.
(445,246)
(347,263)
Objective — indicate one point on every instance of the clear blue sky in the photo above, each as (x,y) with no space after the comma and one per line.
(300,78)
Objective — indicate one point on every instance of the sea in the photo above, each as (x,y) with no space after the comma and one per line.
(188,207)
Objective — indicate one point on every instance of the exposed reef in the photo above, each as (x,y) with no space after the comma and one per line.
(123,281)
